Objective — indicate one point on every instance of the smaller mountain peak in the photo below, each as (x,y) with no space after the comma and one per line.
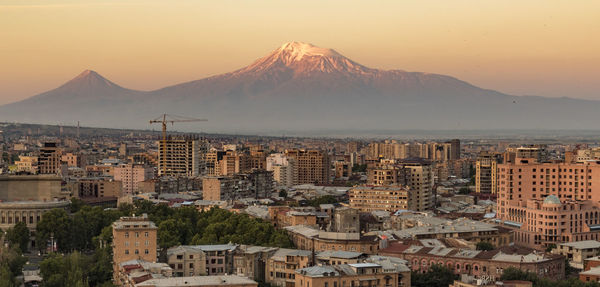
(88,73)
(88,79)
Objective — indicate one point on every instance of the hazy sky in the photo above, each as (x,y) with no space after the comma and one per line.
(549,48)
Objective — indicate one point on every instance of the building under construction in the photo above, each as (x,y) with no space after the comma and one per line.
(182,156)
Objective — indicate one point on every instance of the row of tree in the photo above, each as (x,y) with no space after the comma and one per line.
(512,273)
(85,236)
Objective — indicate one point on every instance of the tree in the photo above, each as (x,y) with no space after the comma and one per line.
(68,270)
(326,199)
(437,275)
(168,234)
(18,236)
(359,168)
(485,246)
(11,265)
(283,193)
(76,204)
(464,190)
(550,247)
(57,224)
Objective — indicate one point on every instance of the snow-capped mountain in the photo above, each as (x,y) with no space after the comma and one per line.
(301,87)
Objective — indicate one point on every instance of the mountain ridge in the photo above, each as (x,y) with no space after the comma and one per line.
(299,86)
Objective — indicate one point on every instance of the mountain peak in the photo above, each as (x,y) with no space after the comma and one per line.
(88,73)
(304,59)
(297,50)
(88,80)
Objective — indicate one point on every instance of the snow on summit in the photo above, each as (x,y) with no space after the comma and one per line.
(303,59)
(297,50)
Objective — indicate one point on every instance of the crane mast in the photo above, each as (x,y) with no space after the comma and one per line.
(164,120)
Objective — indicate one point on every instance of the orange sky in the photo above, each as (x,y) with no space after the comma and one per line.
(549,48)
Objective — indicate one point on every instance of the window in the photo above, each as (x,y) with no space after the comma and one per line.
(145,234)
(126,234)
(137,251)
(146,251)
(126,251)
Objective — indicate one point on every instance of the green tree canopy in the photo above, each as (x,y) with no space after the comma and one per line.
(437,275)
(18,236)
(484,245)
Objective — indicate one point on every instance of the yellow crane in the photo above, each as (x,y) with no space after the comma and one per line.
(172,119)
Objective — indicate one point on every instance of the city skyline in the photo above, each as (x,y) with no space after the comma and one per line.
(516,48)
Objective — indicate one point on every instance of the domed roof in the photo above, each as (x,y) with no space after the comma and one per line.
(552,199)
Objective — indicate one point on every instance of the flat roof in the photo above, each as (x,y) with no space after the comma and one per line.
(585,244)
(221,280)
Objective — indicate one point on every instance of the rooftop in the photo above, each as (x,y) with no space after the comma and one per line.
(221,280)
(586,244)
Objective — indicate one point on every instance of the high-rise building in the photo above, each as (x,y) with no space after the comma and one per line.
(131,175)
(418,176)
(218,188)
(486,173)
(549,203)
(312,166)
(284,169)
(182,156)
(133,238)
(343,169)
(49,160)
(415,174)
(233,162)
(454,149)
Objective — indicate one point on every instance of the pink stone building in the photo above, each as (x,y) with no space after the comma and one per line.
(549,203)
(131,175)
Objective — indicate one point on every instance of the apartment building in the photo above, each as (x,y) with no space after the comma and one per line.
(417,175)
(133,238)
(312,166)
(486,174)
(387,198)
(131,176)
(354,274)
(187,261)
(182,156)
(283,168)
(49,159)
(281,266)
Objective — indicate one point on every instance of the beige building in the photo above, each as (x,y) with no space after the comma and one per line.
(217,188)
(281,266)
(251,261)
(133,238)
(284,169)
(577,252)
(181,156)
(355,274)
(86,188)
(386,198)
(312,166)
(187,261)
(131,175)
(49,159)
(27,164)
(417,175)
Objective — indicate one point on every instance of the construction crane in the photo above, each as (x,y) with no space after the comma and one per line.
(172,119)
